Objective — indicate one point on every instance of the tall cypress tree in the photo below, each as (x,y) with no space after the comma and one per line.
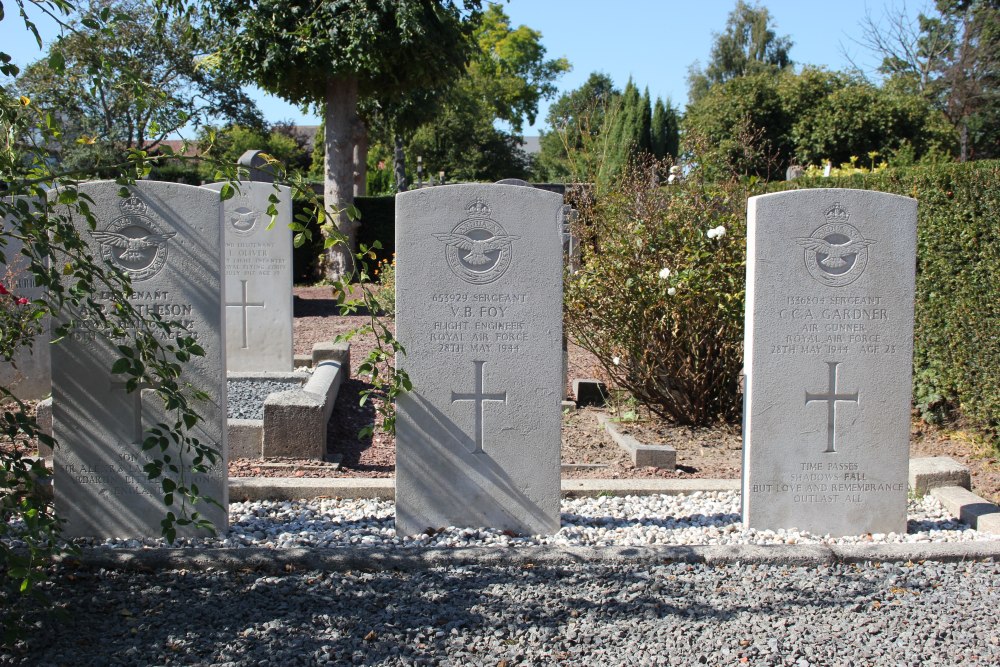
(644,142)
(664,131)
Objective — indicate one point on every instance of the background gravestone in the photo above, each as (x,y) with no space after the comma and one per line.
(168,237)
(479,311)
(258,278)
(29,377)
(828,353)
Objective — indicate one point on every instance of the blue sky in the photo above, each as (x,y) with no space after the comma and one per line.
(653,41)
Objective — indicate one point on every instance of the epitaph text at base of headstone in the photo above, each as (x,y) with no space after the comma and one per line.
(28,376)
(258,278)
(479,312)
(829,347)
(167,237)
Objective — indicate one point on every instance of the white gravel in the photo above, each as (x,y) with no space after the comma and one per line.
(702,518)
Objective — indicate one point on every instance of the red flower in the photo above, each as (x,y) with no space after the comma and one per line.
(23,301)
(3,290)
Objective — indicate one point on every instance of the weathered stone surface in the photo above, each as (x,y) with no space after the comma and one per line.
(258,278)
(967,506)
(167,236)
(829,345)
(479,311)
(28,376)
(932,471)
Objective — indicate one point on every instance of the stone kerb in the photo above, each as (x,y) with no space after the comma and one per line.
(258,259)
(29,375)
(295,421)
(167,237)
(828,350)
(479,312)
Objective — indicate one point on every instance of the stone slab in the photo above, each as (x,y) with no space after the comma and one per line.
(28,376)
(932,471)
(643,455)
(828,350)
(258,278)
(965,504)
(246,438)
(339,352)
(295,421)
(168,237)
(43,415)
(479,312)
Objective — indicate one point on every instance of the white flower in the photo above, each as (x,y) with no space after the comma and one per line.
(716,232)
(616,360)
(672,291)
(664,273)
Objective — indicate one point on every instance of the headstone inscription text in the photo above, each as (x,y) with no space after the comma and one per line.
(828,353)
(258,278)
(167,237)
(478,310)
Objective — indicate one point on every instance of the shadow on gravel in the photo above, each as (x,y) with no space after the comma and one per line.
(484,611)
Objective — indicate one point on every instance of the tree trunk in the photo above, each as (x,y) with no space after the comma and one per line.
(360,160)
(341,121)
(399,163)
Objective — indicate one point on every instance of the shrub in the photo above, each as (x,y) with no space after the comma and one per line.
(660,298)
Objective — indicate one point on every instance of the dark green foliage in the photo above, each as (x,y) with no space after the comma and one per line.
(957,320)
(664,135)
(378,224)
(812,117)
(748,46)
(569,151)
(292,48)
(628,133)
(306,257)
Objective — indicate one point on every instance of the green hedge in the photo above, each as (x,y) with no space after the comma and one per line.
(957,326)
(378,223)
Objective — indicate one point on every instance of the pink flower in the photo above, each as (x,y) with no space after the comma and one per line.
(3,290)
(23,301)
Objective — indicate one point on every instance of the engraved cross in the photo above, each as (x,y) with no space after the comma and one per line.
(243,305)
(831,398)
(480,398)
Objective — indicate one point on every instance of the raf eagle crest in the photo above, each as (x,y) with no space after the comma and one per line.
(133,242)
(478,249)
(836,253)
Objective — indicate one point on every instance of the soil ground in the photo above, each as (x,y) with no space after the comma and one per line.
(714,452)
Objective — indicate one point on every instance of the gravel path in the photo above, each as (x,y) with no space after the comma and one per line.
(603,614)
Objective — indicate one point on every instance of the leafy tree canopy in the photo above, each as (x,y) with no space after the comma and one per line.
(749,45)
(131,85)
(293,47)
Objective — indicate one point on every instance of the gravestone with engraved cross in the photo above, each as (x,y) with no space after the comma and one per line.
(167,237)
(828,353)
(258,277)
(479,312)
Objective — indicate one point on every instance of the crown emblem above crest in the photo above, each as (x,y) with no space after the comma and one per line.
(479,209)
(837,213)
(132,206)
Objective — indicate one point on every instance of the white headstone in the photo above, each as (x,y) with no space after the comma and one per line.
(29,375)
(479,312)
(258,278)
(167,236)
(829,346)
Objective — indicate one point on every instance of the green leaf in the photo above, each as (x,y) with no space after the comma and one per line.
(57,61)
